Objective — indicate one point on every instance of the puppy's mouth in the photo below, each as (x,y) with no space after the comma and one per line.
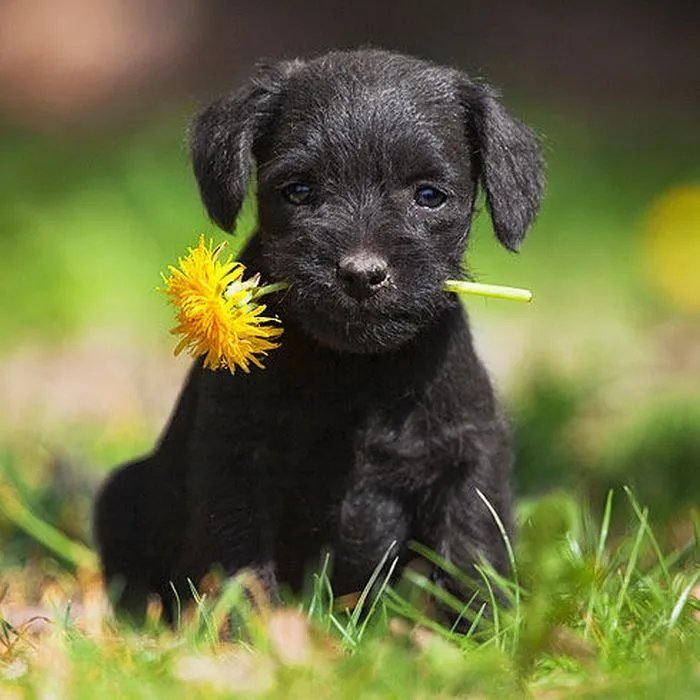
(362,323)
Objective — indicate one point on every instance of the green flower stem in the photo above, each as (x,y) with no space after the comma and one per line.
(270,289)
(487,290)
(457,286)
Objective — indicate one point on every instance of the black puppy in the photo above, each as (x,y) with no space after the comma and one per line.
(374,423)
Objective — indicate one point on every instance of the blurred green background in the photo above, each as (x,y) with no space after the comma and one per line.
(600,375)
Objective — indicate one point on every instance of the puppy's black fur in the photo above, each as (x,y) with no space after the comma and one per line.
(374,423)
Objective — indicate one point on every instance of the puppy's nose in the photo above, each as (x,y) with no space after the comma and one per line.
(362,274)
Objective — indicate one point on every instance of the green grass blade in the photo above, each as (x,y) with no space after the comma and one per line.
(509,549)
(493,601)
(359,607)
(631,566)
(445,598)
(405,609)
(50,537)
(232,596)
(682,600)
(377,597)
(604,529)
(178,606)
(650,534)
(600,553)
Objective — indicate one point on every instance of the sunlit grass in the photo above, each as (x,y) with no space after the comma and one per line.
(585,612)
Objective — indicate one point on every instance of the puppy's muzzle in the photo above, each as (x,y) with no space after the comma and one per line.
(362,274)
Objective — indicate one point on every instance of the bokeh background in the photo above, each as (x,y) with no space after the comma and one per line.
(600,375)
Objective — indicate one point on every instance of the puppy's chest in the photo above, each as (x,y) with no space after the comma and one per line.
(334,447)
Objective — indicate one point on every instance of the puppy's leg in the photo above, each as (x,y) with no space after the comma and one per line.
(233,508)
(459,526)
(232,527)
(372,525)
(139,515)
(138,530)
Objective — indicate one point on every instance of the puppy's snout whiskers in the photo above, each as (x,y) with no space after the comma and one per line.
(363,274)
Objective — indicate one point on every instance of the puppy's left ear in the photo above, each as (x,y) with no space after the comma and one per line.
(223,138)
(508,161)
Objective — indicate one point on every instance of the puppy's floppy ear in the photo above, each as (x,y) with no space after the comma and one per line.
(223,137)
(508,162)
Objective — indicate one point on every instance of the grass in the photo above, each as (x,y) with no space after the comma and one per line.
(585,613)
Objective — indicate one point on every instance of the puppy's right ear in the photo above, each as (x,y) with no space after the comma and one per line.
(509,162)
(222,139)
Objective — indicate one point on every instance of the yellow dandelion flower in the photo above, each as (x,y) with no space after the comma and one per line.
(217,312)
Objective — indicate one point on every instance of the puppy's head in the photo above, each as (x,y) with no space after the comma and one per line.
(368,167)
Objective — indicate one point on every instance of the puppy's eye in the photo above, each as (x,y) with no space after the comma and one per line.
(297,193)
(430,197)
